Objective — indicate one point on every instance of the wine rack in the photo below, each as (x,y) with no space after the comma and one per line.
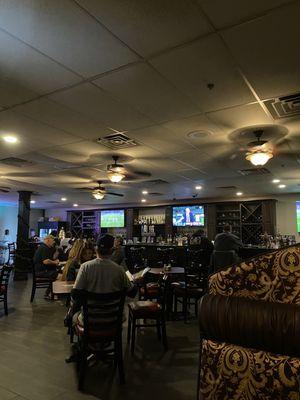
(228,214)
(251,222)
(82,223)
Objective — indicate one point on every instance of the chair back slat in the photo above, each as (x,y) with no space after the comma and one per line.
(4,275)
(103,311)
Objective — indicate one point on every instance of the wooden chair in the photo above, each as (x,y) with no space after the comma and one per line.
(148,310)
(11,253)
(190,291)
(102,324)
(4,279)
(40,283)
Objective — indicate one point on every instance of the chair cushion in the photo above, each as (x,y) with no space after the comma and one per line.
(2,289)
(144,309)
(257,324)
(152,290)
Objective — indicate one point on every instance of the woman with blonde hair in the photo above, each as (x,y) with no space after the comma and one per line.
(81,252)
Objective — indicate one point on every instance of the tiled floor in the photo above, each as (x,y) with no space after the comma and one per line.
(34,345)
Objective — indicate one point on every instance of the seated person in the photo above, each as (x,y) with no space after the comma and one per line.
(85,254)
(44,263)
(101,275)
(226,241)
(64,243)
(118,255)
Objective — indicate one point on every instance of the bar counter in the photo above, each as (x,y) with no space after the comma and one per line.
(180,253)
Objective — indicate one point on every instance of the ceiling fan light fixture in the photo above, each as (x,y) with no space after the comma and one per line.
(98,194)
(115,176)
(259,157)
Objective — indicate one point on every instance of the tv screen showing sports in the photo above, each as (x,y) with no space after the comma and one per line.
(188,216)
(112,219)
(298,215)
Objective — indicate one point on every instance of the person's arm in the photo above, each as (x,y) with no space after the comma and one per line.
(81,279)
(50,262)
(130,288)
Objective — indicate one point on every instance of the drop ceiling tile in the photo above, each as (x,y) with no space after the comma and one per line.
(66,33)
(233,12)
(160,139)
(96,104)
(193,158)
(269,59)
(191,68)
(193,174)
(166,165)
(12,92)
(82,152)
(62,117)
(144,89)
(24,71)
(31,134)
(150,27)
(241,116)
(182,127)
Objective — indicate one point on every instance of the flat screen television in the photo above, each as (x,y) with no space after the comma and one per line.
(188,216)
(112,219)
(298,215)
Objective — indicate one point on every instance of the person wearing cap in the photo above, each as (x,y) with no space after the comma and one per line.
(44,264)
(102,275)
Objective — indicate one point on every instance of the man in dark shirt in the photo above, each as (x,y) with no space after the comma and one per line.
(118,255)
(227,241)
(45,266)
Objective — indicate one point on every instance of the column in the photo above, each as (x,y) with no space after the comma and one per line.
(23,255)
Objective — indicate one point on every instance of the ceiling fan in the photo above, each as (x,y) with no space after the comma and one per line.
(258,155)
(117,172)
(99,192)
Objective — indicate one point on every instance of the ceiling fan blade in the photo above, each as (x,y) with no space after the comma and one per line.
(115,194)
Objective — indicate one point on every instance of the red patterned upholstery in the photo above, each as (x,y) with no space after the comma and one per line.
(2,289)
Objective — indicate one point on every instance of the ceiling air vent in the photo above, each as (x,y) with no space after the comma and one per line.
(53,202)
(156,182)
(226,187)
(16,162)
(285,106)
(155,194)
(254,171)
(117,141)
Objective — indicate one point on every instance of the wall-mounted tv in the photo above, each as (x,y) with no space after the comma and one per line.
(188,216)
(298,215)
(112,219)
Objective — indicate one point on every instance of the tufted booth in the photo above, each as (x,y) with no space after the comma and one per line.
(250,325)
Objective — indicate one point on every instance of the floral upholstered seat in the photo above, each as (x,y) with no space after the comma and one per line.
(231,371)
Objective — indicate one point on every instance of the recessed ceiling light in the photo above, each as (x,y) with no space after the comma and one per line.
(63,199)
(199,187)
(281,186)
(145,191)
(276,180)
(239,193)
(10,139)
(32,201)
(75,205)
(143,200)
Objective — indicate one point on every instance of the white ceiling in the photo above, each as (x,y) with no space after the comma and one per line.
(72,71)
